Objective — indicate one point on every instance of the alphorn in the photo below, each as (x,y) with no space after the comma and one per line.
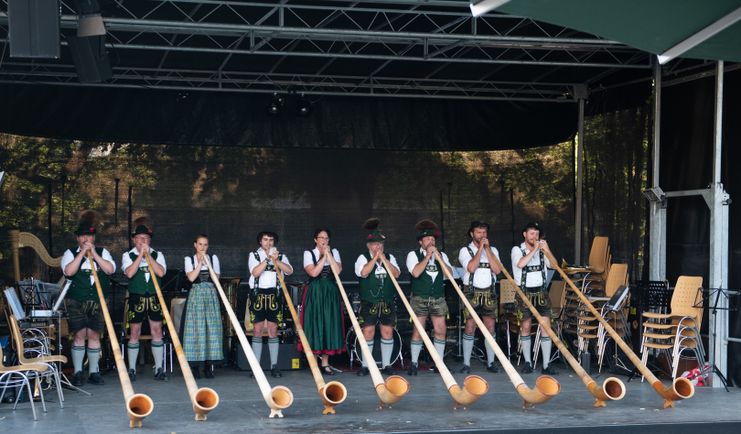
(138,405)
(546,387)
(332,393)
(612,388)
(474,386)
(395,387)
(277,398)
(681,387)
(204,399)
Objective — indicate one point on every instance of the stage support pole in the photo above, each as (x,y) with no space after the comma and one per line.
(657,208)
(580,93)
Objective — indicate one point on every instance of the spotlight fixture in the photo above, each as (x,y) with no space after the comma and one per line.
(654,194)
(480,7)
(276,105)
(303,108)
(90,22)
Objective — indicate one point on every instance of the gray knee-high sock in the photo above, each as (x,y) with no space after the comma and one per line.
(387,347)
(158,352)
(257,347)
(416,349)
(370,350)
(273,346)
(467,348)
(489,351)
(78,355)
(545,345)
(440,347)
(132,352)
(527,350)
(93,357)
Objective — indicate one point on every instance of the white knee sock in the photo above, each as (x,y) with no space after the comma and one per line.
(440,347)
(387,347)
(78,355)
(273,346)
(132,352)
(489,351)
(545,345)
(527,349)
(362,357)
(467,348)
(416,349)
(158,352)
(93,357)
(257,347)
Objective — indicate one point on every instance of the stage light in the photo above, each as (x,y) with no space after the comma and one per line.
(276,105)
(89,22)
(303,108)
(654,194)
(481,7)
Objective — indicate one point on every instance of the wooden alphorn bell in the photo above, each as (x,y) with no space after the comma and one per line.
(546,387)
(204,399)
(395,387)
(138,405)
(474,386)
(612,388)
(332,393)
(681,387)
(277,398)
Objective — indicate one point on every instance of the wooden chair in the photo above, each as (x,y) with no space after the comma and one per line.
(19,377)
(674,332)
(51,361)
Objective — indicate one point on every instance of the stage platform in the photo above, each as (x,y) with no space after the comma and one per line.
(427,408)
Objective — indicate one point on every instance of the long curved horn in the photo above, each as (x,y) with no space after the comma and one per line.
(546,387)
(138,405)
(681,387)
(612,388)
(395,387)
(332,393)
(277,398)
(474,386)
(204,399)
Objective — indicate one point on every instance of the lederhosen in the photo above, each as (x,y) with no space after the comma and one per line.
(143,301)
(483,300)
(428,296)
(538,295)
(377,298)
(82,302)
(265,303)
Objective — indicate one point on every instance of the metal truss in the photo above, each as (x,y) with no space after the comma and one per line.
(418,49)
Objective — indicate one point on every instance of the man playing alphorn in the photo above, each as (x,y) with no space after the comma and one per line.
(83,305)
(265,309)
(377,295)
(143,303)
(428,289)
(479,279)
(529,266)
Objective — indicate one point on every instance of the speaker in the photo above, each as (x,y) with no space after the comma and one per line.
(34,28)
(91,58)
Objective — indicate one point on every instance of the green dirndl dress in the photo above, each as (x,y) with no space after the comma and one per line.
(322,316)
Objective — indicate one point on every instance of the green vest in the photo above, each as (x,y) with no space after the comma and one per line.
(373,289)
(424,286)
(138,283)
(80,289)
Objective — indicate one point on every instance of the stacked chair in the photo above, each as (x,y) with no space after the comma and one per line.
(591,278)
(677,331)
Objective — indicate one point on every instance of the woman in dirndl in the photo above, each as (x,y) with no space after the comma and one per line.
(322,316)
(203,331)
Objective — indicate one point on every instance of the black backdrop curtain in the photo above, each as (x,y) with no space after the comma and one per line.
(206,118)
(686,163)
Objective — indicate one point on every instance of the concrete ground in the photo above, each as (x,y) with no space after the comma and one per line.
(427,408)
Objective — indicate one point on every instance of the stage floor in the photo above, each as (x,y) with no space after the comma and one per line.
(427,408)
